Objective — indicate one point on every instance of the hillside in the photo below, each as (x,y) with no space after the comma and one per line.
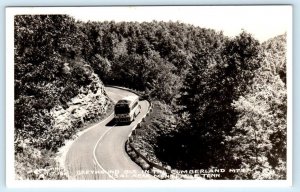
(255,143)
(260,133)
(56,93)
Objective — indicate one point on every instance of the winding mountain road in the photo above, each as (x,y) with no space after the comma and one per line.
(99,153)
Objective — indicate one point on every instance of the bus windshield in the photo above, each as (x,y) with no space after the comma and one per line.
(121,109)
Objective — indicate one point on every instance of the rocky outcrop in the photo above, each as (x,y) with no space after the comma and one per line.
(90,103)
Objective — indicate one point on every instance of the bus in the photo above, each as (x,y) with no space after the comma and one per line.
(127,109)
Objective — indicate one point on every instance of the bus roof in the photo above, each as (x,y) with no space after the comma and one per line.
(128,99)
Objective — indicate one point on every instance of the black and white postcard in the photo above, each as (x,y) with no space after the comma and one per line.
(149,96)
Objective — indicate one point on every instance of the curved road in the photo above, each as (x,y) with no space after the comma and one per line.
(99,153)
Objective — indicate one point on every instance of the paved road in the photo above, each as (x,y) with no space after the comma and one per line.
(100,153)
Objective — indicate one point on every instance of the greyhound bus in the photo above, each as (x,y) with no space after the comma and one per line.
(127,109)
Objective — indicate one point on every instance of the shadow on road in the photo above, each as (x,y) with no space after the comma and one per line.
(113,122)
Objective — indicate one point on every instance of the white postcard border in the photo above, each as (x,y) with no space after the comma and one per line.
(11,182)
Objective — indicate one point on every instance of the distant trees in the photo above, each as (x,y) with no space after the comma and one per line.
(121,55)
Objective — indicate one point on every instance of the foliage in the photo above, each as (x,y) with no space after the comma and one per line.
(34,164)
(50,70)
(160,121)
(208,90)
(151,57)
(199,73)
(258,140)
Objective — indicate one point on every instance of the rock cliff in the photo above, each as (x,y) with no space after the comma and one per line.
(86,106)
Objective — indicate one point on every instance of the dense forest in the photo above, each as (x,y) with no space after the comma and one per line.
(56,92)
(224,99)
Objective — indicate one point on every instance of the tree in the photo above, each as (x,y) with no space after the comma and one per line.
(258,140)
(217,78)
(49,69)
(101,66)
(242,57)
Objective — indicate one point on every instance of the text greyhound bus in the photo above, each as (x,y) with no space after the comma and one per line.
(127,109)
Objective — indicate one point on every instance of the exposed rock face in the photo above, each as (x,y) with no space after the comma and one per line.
(91,102)
(31,162)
